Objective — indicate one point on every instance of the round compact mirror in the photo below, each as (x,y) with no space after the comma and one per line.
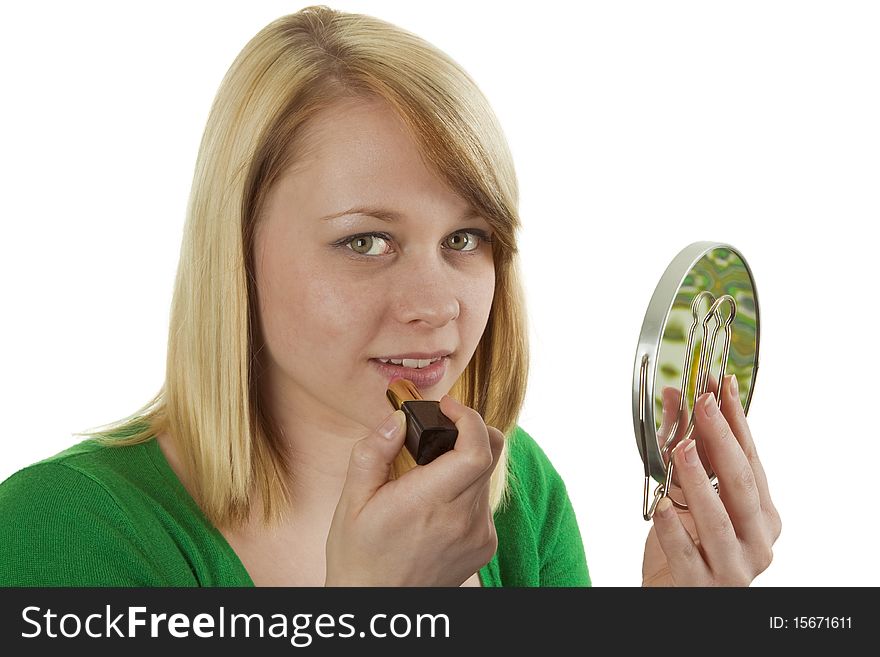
(702,325)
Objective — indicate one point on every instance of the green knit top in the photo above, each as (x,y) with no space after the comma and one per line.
(95,515)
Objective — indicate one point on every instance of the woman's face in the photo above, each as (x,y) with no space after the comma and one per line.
(365,256)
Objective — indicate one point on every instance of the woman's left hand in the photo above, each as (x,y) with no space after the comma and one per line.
(724,538)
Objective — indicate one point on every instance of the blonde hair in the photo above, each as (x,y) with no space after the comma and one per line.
(292,69)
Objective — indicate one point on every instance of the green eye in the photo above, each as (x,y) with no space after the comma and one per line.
(367,245)
(462,241)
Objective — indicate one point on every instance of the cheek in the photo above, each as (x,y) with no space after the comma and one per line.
(306,307)
(476,301)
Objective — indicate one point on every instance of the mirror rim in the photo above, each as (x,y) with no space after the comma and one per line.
(653,326)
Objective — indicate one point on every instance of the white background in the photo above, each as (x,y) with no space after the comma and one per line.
(636,127)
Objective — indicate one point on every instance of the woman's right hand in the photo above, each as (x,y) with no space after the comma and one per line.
(433,526)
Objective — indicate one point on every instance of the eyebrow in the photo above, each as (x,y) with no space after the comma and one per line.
(389,215)
(378,213)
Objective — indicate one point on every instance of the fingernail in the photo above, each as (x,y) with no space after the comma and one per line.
(710,408)
(664,507)
(690,452)
(391,425)
(734,387)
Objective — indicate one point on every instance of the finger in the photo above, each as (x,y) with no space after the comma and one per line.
(713,385)
(480,536)
(496,442)
(735,415)
(671,400)
(471,457)
(714,528)
(369,465)
(686,564)
(736,481)
(474,440)
(732,409)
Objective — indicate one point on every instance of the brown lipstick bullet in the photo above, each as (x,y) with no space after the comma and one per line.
(429,433)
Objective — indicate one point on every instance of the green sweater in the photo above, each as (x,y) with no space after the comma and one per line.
(119,516)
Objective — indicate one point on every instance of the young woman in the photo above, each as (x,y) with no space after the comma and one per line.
(353,218)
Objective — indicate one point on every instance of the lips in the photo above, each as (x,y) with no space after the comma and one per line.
(423,369)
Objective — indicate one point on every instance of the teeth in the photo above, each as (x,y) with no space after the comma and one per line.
(413,363)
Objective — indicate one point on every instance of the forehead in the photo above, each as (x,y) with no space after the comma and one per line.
(359,151)
(355,127)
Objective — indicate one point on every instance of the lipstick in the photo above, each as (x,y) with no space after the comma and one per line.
(429,433)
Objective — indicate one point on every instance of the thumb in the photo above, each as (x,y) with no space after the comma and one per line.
(371,459)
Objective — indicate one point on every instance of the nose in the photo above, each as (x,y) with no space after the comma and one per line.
(426,293)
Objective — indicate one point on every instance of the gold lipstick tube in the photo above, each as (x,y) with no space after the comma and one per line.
(429,433)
